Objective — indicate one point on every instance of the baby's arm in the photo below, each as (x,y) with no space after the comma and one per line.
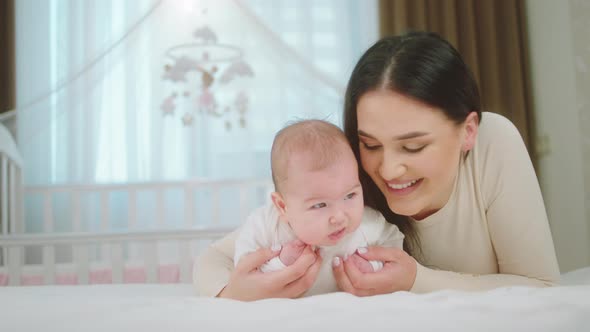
(257,232)
(291,251)
(253,234)
(289,254)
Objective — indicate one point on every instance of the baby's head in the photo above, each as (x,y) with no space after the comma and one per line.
(317,188)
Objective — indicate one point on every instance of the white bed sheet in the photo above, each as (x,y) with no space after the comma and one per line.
(174,308)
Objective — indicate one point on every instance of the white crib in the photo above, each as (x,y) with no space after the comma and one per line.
(65,248)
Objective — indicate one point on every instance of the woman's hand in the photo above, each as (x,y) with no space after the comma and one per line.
(247,283)
(398,272)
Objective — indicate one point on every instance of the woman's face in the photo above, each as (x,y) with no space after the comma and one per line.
(411,150)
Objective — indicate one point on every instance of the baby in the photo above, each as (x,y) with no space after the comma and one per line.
(318,201)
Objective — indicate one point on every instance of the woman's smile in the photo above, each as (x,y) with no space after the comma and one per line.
(403,188)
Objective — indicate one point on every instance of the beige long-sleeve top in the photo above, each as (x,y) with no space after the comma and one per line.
(492,232)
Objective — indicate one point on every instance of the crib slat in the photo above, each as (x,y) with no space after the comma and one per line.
(185,261)
(132,218)
(243,203)
(76,211)
(104,211)
(189,210)
(104,221)
(15,258)
(49,264)
(215,205)
(4,257)
(3,207)
(151,261)
(117,262)
(133,248)
(4,194)
(13,197)
(82,263)
(160,208)
(19,203)
(48,213)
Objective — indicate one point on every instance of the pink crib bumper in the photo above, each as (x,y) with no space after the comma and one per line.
(166,274)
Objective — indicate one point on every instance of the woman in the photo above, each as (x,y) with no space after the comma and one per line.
(457,182)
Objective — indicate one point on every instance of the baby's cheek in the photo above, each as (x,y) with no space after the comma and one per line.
(310,235)
(356,221)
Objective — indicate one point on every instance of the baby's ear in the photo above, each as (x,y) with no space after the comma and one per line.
(279,203)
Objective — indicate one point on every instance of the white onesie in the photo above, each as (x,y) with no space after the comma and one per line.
(263,230)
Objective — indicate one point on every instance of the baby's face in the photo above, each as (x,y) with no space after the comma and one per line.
(323,206)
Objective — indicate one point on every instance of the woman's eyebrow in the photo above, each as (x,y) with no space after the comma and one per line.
(362,133)
(409,135)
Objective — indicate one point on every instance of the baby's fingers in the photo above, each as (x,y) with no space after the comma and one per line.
(362,264)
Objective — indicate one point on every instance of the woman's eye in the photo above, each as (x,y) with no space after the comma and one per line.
(350,196)
(319,206)
(414,149)
(371,147)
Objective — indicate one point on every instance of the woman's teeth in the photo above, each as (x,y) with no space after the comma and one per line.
(402,186)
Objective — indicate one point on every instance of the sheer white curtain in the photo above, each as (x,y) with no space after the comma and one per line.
(83,101)
(92,87)
(112,91)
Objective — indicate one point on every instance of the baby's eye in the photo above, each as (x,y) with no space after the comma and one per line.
(319,206)
(350,196)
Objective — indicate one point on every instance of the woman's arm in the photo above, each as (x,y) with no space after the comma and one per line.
(401,273)
(515,212)
(213,268)
(429,280)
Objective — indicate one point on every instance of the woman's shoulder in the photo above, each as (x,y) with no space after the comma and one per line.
(496,129)
(499,154)
(497,140)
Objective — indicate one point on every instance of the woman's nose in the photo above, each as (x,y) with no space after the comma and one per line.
(392,167)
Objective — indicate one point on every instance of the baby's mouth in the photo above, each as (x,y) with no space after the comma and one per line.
(337,234)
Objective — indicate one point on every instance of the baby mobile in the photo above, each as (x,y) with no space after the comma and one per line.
(215,65)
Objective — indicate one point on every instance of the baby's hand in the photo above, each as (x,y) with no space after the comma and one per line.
(362,264)
(291,251)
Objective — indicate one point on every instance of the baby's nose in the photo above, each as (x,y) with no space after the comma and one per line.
(337,218)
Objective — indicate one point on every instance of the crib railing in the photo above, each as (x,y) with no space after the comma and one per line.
(244,204)
(47,252)
(112,269)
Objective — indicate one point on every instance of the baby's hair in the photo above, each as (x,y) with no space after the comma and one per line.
(320,139)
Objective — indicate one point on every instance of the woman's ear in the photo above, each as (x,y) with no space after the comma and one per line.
(471,126)
(279,203)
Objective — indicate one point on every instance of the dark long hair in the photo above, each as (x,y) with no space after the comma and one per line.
(419,65)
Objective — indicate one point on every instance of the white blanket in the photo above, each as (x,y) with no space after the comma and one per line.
(173,308)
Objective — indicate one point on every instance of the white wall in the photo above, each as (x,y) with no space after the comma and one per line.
(558,97)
